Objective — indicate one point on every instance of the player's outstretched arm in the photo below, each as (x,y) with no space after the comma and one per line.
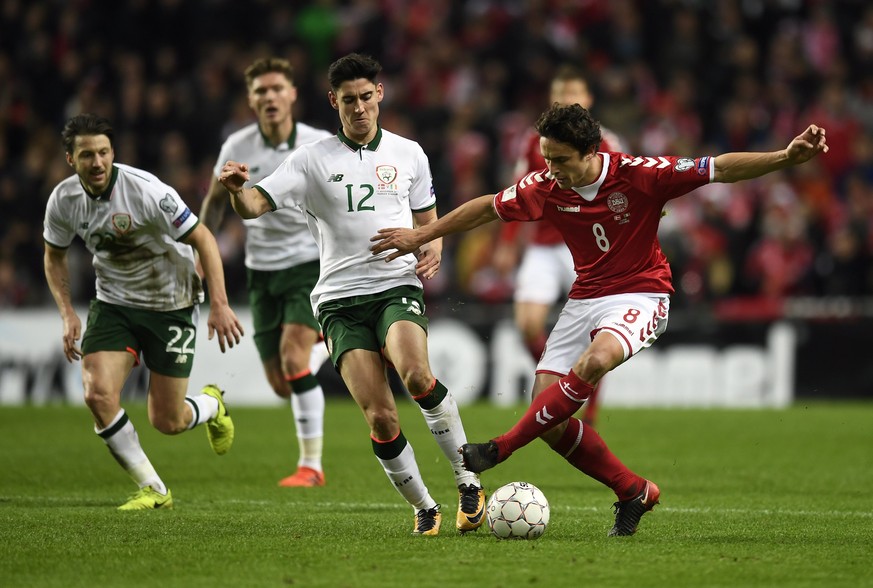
(222,320)
(247,202)
(467,216)
(734,167)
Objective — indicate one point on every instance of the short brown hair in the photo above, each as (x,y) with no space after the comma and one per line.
(86,125)
(269,65)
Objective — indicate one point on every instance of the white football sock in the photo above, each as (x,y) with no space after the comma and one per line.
(203,407)
(405,476)
(445,424)
(307,404)
(308,409)
(123,443)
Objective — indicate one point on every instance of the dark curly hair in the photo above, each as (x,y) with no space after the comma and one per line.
(352,67)
(85,125)
(572,125)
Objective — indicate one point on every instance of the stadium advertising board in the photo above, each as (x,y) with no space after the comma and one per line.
(725,367)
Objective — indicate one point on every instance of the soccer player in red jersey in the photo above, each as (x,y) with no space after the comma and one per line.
(607,207)
(546,272)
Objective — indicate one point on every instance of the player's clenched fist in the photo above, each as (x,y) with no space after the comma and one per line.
(234,175)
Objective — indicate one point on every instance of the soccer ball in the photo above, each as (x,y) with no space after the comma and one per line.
(517,510)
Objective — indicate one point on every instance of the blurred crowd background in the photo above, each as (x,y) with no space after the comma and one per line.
(466,79)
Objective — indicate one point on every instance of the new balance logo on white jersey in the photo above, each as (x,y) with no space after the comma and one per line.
(335,178)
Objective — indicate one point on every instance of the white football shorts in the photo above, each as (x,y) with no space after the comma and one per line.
(636,320)
(545,274)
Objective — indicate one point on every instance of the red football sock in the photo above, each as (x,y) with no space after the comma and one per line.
(586,451)
(589,411)
(551,407)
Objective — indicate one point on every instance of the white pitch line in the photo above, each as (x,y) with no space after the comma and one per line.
(365,506)
(569,508)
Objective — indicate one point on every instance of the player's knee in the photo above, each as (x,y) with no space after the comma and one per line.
(593,365)
(296,359)
(168,424)
(98,398)
(384,423)
(280,386)
(418,379)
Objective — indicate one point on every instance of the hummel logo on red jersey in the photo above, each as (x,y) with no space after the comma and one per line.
(530,179)
(543,416)
(646,162)
(576,208)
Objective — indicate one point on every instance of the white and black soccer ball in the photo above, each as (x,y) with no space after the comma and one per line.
(518,510)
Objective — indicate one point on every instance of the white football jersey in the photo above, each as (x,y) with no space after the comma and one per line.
(280,239)
(133,230)
(348,193)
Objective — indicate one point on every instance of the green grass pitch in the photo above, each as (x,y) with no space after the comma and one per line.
(749,498)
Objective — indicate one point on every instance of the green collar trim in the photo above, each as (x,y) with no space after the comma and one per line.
(371,146)
(108,191)
(292,139)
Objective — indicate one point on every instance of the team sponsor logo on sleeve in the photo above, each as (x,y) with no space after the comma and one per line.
(121,222)
(684,164)
(508,194)
(703,166)
(180,220)
(168,204)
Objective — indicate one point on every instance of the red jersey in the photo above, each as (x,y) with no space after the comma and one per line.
(531,159)
(610,226)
